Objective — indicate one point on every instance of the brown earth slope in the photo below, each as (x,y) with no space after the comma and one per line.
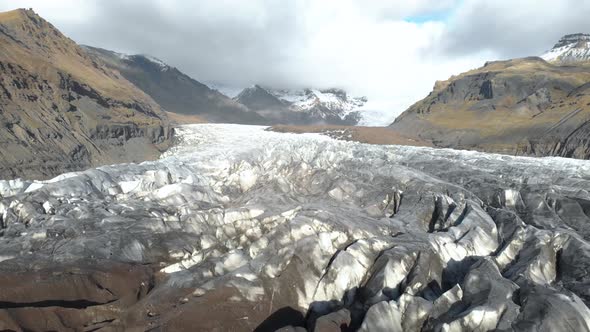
(369,135)
(61,110)
(521,106)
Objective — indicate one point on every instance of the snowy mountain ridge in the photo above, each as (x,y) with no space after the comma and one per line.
(333,99)
(570,48)
(322,105)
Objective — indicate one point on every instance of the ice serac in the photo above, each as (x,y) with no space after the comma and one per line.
(238,229)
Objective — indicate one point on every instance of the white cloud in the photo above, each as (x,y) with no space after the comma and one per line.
(390,60)
(59,11)
(514,28)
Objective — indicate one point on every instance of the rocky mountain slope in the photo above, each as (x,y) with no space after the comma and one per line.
(522,106)
(62,110)
(259,99)
(307,106)
(175,91)
(241,229)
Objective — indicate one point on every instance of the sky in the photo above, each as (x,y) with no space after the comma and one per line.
(390,51)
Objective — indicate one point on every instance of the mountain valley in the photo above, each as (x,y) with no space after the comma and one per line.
(134,197)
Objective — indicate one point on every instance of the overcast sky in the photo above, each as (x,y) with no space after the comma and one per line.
(390,51)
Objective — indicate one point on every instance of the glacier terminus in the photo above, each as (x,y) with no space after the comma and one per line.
(239,228)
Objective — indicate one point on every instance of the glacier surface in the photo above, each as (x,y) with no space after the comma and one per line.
(240,228)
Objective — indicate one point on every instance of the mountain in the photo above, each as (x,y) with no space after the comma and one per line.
(326,104)
(521,106)
(259,99)
(62,110)
(178,93)
(306,106)
(175,91)
(570,48)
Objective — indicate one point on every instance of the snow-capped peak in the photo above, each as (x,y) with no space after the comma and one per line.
(331,99)
(329,105)
(570,48)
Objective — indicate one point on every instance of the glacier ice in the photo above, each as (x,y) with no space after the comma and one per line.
(242,223)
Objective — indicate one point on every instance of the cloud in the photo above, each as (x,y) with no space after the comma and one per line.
(390,51)
(513,28)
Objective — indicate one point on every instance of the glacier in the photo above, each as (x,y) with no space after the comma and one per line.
(237,228)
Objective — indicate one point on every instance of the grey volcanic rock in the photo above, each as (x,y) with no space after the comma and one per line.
(175,91)
(241,229)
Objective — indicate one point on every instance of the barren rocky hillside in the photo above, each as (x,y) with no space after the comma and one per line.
(521,106)
(61,110)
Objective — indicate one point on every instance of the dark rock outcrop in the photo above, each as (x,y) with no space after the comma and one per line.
(258,99)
